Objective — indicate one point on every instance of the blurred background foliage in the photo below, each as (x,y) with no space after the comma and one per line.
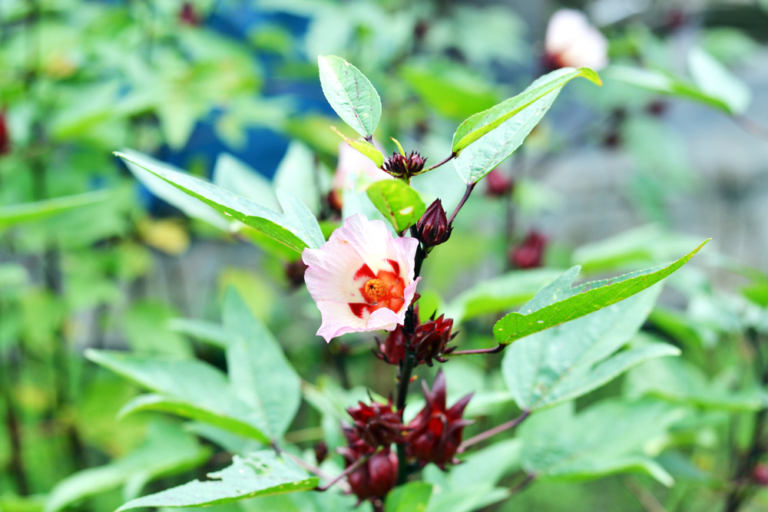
(614,179)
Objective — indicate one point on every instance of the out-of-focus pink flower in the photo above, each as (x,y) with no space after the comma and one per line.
(353,164)
(362,279)
(572,41)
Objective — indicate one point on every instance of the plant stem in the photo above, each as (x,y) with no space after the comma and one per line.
(470,187)
(442,162)
(494,350)
(404,372)
(352,467)
(14,434)
(495,430)
(306,465)
(751,126)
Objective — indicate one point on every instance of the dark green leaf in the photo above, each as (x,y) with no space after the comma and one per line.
(559,303)
(259,474)
(350,93)
(398,202)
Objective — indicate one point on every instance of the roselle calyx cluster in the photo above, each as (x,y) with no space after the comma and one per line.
(377,424)
(403,166)
(376,476)
(435,434)
(432,229)
(429,342)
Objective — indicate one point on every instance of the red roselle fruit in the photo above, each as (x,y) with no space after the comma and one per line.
(530,252)
(435,433)
(430,341)
(377,424)
(760,474)
(392,350)
(188,15)
(376,476)
(432,228)
(498,184)
(5,136)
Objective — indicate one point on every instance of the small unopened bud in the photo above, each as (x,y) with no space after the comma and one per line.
(5,136)
(404,166)
(392,350)
(498,184)
(321,452)
(188,15)
(432,228)
(529,253)
(335,202)
(760,474)
(294,273)
(657,108)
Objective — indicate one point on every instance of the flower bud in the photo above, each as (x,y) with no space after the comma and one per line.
(760,474)
(294,273)
(321,452)
(5,136)
(435,433)
(188,15)
(377,424)
(530,252)
(498,184)
(335,202)
(404,166)
(392,351)
(432,228)
(430,340)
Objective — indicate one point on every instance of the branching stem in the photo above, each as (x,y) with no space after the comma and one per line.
(352,467)
(494,350)
(479,438)
(470,187)
(442,162)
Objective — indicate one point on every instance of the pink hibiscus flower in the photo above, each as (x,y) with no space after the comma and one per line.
(362,278)
(571,41)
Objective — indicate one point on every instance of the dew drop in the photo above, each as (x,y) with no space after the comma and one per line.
(540,321)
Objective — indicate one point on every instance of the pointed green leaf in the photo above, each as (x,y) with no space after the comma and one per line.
(365,147)
(29,212)
(302,217)
(207,332)
(286,229)
(350,93)
(398,202)
(558,303)
(234,175)
(571,360)
(259,371)
(483,122)
(260,474)
(189,388)
(412,497)
(604,439)
(714,79)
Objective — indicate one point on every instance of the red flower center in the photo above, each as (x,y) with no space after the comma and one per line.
(381,290)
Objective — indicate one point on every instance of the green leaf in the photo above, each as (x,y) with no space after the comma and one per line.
(412,497)
(466,499)
(350,93)
(302,217)
(483,122)
(207,332)
(714,79)
(498,294)
(145,327)
(167,451)
(286,229)
(570,360)
(398,202)
(363,146)
(260,474)
(679,381)
(189,388)
(663,83)
(260,374)
(236,176)
(559,303)
(30,212)
(302,174)
(604,439)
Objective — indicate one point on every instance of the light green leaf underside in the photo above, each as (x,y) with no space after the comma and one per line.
(30,212)
(557,303)
(606,438)
(297,228)
(398,202)
(412,497)
(571,360)
(483,122)
(259,372)
(350,93)
(260,474)
(190,388)
(201,330)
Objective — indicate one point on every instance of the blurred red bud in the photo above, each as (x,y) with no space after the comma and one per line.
(498,184)
(530,252)
(321,452)
(188,15)
(760,474)
(5,136)
(294,273)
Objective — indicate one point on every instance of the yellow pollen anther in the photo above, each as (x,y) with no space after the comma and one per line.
(376,289)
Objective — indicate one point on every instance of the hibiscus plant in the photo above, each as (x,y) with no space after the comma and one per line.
(395,448)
